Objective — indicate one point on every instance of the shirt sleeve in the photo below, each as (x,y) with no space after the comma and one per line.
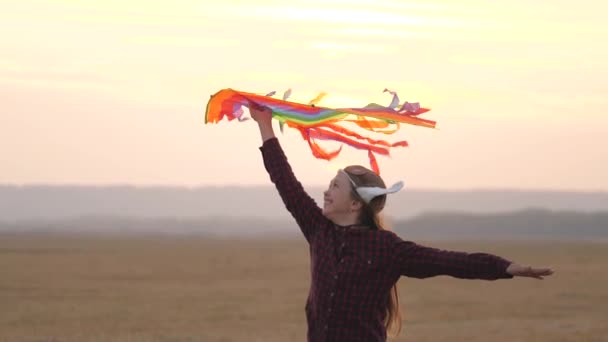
(413,260)
(302,207)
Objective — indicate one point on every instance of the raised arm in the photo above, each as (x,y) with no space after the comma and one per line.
(302,207)
(417,261)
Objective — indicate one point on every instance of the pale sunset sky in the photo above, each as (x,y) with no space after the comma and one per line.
(114,92)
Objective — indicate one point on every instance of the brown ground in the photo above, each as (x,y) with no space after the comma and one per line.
(55,288)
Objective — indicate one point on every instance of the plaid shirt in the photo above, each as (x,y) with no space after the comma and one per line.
(353,270)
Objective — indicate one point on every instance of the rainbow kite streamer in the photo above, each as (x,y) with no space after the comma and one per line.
(319,123)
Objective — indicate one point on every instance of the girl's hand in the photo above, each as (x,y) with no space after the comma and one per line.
(527,271)
(261,114)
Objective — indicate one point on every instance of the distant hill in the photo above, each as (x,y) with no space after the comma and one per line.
(525,224)
(19,203)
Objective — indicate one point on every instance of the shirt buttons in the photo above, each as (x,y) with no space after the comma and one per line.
(341,261)
(326,326)
(331,294)
(336,276)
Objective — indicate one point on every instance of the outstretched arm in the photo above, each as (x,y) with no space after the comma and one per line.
(302,207)
(417,261)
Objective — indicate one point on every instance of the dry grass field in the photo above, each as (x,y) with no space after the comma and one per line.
(77,288)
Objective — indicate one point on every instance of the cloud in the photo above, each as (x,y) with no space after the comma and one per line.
(332,49)
(52,77)
(338,15)
(182,41)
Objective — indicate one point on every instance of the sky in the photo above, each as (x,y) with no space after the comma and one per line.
(114,92)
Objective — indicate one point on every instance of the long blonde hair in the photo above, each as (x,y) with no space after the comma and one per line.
(370,216)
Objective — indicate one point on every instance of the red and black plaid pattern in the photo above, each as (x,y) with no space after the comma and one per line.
(353,270)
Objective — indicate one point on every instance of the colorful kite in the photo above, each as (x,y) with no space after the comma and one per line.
(319,123)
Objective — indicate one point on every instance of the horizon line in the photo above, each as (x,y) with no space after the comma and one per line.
(270,185)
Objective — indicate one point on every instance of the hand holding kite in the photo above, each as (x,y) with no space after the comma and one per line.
(261,115)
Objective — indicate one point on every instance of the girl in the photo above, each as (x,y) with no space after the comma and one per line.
(355,263)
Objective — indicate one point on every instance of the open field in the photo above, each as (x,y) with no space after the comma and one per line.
(129,288)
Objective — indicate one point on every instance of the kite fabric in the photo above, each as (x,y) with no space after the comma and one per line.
(320,123)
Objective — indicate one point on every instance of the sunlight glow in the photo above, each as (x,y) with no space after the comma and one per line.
(515,86)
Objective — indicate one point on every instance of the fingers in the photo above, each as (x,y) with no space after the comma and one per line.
(538,273)
(257,107)
(254,105)
(542,271)
(528,271)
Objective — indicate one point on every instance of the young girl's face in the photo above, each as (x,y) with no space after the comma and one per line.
(337,199)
